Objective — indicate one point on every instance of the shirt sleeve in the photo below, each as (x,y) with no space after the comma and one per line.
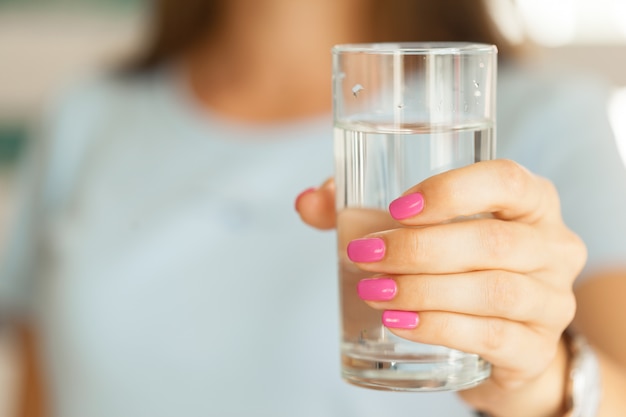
(17,265)
(44,180)
(591,180)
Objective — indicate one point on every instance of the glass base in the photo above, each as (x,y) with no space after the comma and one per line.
(426,373)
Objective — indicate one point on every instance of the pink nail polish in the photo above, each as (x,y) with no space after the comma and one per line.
(308,190)
(377,289)
(366,250)
(400,319)
(406,206)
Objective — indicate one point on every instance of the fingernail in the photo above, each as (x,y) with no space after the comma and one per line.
(308,190)
(400,319)
(366,250)
(406,206)
(377,289)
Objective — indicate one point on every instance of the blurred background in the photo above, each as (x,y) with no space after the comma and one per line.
(44,46)
(48,44)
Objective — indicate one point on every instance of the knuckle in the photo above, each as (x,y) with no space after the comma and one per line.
(567,310)
(496,237)
(494,334)
(550,190)
(571,249)
(414,246)
(503,295)
(549,196)
(514,176)
(577,252)
(425,295)
(444,327)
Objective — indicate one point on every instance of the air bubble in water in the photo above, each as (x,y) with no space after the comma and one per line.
(357,89)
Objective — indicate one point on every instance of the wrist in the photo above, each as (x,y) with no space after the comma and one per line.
(570,387)
(544,396)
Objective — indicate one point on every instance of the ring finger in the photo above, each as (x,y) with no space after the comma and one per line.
(481,293)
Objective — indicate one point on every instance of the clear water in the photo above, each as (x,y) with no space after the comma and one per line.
(374,165)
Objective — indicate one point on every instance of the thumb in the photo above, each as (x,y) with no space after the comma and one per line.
(316,206)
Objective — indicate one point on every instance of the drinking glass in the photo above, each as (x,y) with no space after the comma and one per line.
(402,113)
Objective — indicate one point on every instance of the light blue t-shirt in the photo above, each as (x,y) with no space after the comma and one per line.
(171,276)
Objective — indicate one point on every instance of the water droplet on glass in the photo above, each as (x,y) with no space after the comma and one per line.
(465,107)
(476,84)
(477,93)
(401,105)
(357,89)
(481,65)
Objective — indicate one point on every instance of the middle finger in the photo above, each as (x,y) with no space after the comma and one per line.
(469,245)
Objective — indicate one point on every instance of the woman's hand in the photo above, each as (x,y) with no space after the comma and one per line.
(500,286)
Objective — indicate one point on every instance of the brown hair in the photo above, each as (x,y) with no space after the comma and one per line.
(178,25)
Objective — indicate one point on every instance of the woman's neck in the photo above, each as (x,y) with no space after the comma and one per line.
(272,62)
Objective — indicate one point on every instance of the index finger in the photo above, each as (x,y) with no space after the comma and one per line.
(500,187)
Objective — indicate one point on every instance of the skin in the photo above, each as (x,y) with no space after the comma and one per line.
(273,48)
(524,257)
(501,287)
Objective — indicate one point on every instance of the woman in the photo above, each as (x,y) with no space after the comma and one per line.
(170,280)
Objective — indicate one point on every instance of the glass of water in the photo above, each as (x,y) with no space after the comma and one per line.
(403,112)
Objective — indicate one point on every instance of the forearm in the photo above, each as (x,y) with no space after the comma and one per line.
(546,397)
(613,374)
(543,397)
(600,317)
(31,390)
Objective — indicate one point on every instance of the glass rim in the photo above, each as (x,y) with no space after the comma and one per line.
(415,48)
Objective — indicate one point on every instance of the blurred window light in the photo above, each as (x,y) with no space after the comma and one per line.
(507,19)
(69,38)
(618,10)
(600,21)
(549,22)
(555,23)
(617,113)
